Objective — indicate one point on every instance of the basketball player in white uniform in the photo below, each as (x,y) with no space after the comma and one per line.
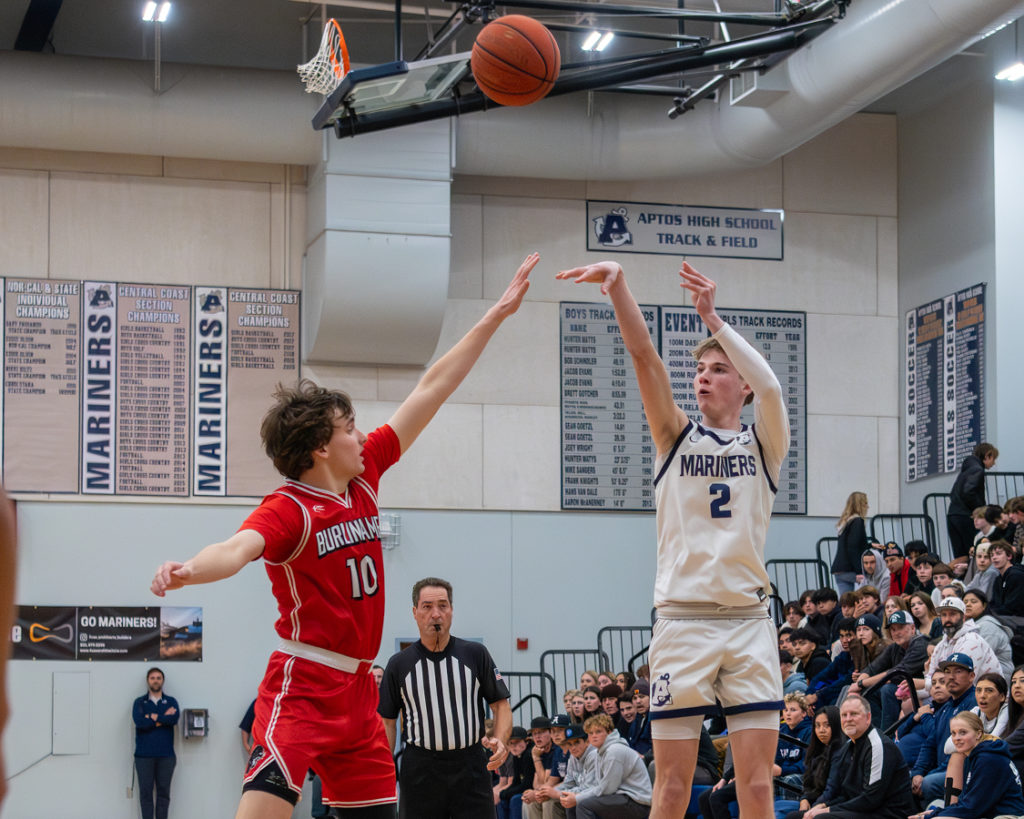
(715,483)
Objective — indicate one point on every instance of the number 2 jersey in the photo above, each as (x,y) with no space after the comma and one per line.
(714,493)
(323,556)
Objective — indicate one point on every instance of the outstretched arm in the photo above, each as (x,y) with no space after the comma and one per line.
(664,418)
(441,380)
(215,562)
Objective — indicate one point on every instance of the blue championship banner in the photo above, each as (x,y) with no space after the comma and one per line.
(136,633)
(684,230)
(944,384)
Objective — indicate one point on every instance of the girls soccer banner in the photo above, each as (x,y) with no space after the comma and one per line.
(140,633)
(944,385)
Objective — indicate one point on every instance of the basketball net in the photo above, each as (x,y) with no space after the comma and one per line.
(329,65)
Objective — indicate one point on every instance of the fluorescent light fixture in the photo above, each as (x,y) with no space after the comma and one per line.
(149,11)
(591,41)
(607,38)
(1012,73)
(165,10)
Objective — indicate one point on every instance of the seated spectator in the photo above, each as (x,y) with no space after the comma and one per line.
(786,639)
(869,643)
(915,549)
(1014,733)
(587,678)
(591,702)
(923,567)
(825,687)
(960,636)
(892,605)
(546,755)
(792,681)
(605,678)
(610,700)
(519,773)
(1008,588)
(640,729)
(792,615)
(929,770)
(625,680)
(1015,512)
(580,773)
(990,690)
(825,743)
(907,653)
(900,570)
(956,588)
(986,522)
(825,611)
(873,572)
(623,789)
(913,731)
(869,602)
(847,603)
(942,576)
(577,710)
(994,632)
(991,784)
(869,777)
(927,619)
(982,574)
(567,699)
(627,713)
(811,658)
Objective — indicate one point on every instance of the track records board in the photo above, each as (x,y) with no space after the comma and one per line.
(607,453)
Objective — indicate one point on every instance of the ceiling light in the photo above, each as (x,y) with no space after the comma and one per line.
(149,11)
(591,41)
(151,14)
(607,38)
(1014,72)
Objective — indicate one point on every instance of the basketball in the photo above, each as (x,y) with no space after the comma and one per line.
(515,60)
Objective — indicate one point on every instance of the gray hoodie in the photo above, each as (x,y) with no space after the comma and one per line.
(998,636)
(620,769)
(880,579)
(580,774)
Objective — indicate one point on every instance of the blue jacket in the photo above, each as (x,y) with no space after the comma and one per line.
(832,680)
(640,734)
(991,784)
(154,737)
(932,757)
(788,755)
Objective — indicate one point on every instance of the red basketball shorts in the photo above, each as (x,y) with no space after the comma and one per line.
(309,715)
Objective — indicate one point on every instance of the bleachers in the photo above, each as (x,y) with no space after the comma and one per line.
(565,666)
(624,646)
(901,529)
(791,577)
(532,694)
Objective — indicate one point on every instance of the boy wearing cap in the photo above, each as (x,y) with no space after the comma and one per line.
(545,754)
(792,681)
(520,772)
(580,774)
(960,636)
(715,484)
(640,729)
(899,569)
(907,653)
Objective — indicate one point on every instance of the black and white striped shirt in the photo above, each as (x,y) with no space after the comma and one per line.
(441,696)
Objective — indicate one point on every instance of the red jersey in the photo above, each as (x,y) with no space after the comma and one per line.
(323,556)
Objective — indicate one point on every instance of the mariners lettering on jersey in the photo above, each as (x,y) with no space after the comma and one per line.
(717,466)
(347,533)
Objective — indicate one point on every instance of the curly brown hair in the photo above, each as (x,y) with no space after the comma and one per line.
(300,422)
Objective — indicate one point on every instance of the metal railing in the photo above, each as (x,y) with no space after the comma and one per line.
(565,665)
(901,529)
(532,694)
(1001,486)
(624,644)
(935,506)
(825,549)
(792,577)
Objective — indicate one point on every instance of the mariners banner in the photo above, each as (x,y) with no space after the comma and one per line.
(136,633)
(684,230)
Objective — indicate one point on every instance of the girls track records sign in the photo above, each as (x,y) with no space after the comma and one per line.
(944,382)
(607,452)
(141,389)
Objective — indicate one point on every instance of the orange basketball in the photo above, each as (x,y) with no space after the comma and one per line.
(515,60)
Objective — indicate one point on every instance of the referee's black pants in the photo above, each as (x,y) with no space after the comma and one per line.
(445,784)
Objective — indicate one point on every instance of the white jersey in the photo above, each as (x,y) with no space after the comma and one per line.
(714,493)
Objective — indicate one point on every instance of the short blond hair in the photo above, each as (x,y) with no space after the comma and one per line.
(598,721)
(798,698)
(705,347)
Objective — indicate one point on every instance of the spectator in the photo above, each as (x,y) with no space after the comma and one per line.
(588,678)
(923,609)
(870,602)
(900,570)
(155,714)
(915,549)
(991,784)
(912,732)
(942,576)
(825,742)
(640,729)
(623,789)
(826,601)
(610,700)
(786,639)
(929,770)
(792,614)
(378,673)
(990,690)
(627,713)
(960,636)
(1008,588)
(1015,511)
(546,757)
(789,756)
(807,606)
(873,572)
(923,567)
(520,774)
(847,603)
(591,701)
(994,632)
(605,678)
(968,493)
(1014,733)
(907,653)
(577,708)
(981,574)
(580,773)
(868,644)
(792,681)
(567,699)
(812,658)
(892,605)
(986,521)
(825,687)
(625,680)
(852,540)
(869,777)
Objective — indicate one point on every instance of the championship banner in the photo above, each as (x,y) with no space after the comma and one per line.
(944,382)
(99,395)
(684,230)
(142,633)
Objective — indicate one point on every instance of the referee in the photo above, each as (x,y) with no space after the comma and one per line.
(441,685)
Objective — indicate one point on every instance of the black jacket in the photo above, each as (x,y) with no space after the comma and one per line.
(870,776)
(968,492)
(853,540)
(1008,592)
(911,659)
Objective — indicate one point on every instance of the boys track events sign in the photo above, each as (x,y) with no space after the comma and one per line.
(141,389)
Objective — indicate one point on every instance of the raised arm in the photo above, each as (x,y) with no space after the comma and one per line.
(441,380)
(215,562)
(664,418)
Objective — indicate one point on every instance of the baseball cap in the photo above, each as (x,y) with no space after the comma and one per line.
(641,686)
(871,622)
(611,690)
(575,732)
(901,618)
(960,659)
(952,603)
(540,722)
(518,733)
(893,550)
(560,721)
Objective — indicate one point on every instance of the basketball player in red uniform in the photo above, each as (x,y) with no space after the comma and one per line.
(319,538)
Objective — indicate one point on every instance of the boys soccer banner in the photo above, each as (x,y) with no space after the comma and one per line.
(139,633)
(944,387)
